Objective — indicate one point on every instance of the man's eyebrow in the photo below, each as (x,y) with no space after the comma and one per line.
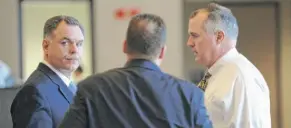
(80,41)
(192,33)
(66,38)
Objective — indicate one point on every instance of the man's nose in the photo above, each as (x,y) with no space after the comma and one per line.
(73,48)
(190,42)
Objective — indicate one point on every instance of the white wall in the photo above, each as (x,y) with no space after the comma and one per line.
(111,32)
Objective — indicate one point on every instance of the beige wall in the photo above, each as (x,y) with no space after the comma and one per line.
(9,51)
(286,62)
(9,45)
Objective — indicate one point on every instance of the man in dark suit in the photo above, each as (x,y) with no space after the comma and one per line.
(139,95)
(48,92)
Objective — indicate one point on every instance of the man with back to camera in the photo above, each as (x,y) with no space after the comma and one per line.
(236,93)
(139,95)
(49,91)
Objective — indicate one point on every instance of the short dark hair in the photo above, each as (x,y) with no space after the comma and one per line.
(146,35)
(52,24)
(219,17)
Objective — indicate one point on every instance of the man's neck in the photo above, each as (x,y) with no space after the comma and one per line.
(66,73)
(220,55)
(156,61)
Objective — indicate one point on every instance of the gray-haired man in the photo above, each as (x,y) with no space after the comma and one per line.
(236,94)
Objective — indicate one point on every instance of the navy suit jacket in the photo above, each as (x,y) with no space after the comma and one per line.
(139,95)
(42,102)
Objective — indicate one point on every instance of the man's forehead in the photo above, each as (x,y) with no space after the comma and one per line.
(70,32)
(68,29)
(197,22)
(199,18)
(193,25)
(63,26)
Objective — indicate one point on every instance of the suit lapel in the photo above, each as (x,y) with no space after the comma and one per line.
(62,87)
(66,93)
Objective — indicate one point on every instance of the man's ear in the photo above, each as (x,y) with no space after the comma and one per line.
(163,52)
(45,45)
(219,36)
(124,47)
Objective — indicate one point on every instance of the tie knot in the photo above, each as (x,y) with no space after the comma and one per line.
(207,75)
(71,84)
(72,87)
(203,83)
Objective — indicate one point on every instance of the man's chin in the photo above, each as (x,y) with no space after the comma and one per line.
(71,68)
(198,60)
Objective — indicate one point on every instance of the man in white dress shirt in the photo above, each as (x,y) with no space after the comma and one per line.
(236,94)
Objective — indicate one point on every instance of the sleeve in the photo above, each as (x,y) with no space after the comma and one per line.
(77,115)
(30,110)
(236,107)
(200,113)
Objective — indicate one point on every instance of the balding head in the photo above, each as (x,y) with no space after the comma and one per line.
(219,18)
(146,35)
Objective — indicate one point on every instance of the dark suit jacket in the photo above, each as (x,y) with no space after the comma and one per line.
(139,95)
(42,102)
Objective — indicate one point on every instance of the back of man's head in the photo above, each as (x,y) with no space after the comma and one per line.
(146,35)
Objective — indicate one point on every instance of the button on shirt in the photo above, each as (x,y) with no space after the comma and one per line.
(237,95)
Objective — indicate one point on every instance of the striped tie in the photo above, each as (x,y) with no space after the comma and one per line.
(203,83)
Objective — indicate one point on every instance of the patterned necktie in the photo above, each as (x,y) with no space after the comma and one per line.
(72,87)
(203,83)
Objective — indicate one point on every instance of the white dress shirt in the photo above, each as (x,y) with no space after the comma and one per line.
(65,79)
(237,95)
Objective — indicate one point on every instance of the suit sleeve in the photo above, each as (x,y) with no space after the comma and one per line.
(30,110)
(76,116)
(200,113)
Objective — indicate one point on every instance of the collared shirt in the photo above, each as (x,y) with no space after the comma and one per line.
(237,95)
(65,79)
(138,95)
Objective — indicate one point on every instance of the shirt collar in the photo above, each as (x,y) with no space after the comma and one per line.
(225,58)
(143,63)
(65,79)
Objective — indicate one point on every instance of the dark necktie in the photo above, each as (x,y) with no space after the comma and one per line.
(203,83)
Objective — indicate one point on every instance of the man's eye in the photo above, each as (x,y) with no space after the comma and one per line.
(79,44)
(64,42)
(194,36)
